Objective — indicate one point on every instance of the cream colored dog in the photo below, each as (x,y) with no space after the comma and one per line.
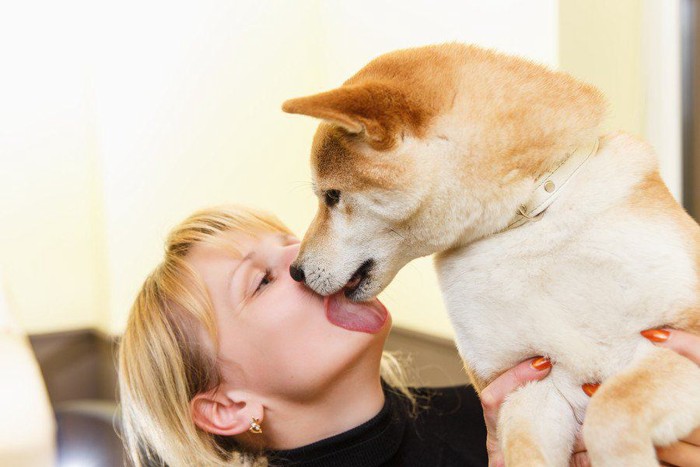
(551,239)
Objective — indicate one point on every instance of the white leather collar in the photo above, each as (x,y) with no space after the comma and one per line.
(550,185)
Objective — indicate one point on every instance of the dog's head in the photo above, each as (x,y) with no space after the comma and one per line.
(371,189)
(413,156)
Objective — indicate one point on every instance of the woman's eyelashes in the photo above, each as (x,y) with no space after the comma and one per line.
(264,280)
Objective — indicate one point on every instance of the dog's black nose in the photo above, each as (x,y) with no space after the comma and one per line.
(297,273)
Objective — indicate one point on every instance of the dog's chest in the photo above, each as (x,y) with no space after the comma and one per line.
(581,302)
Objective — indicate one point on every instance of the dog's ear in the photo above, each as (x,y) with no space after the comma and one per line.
(377,110)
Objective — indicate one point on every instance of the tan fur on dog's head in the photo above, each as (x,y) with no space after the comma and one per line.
(427,149)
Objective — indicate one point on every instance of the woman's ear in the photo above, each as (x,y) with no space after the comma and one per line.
(225,413)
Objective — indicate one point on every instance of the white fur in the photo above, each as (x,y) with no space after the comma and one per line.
(561,285)
(577,287)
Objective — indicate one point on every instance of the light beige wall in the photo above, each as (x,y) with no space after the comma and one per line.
(353,37)
(51,247)
(630,49)
(661,64)
(599,42)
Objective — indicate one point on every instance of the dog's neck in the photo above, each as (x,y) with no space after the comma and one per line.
(550,185)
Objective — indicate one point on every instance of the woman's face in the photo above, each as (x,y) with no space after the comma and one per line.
(275,337)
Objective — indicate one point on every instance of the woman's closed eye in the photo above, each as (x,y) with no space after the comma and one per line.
(264,280)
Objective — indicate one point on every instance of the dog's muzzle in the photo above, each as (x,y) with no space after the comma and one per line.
(355,282)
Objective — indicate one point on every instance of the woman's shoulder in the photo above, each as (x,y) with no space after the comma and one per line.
(449,399)
(450,411)
(447,428)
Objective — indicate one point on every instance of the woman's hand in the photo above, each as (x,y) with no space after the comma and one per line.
(687,451)
(684,453)
(495,393)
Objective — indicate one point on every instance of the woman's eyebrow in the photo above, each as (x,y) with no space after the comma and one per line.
(247,257)
(287,239)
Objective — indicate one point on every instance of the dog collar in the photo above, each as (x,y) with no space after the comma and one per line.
(550,185)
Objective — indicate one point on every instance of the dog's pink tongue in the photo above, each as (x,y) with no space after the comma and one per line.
(366,317)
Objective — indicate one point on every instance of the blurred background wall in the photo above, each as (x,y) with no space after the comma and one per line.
(119,119)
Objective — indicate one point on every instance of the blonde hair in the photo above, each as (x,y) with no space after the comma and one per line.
(164,363)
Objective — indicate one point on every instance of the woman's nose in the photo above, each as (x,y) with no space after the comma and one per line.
(289,262)
(295,269)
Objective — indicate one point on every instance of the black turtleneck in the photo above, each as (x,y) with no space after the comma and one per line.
(447,430)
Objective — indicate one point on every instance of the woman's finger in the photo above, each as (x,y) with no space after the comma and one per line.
(682,342)
(579,445)
(680,454)
(693,438)
(580,455)
(495,393)
(580,459)
(687,451)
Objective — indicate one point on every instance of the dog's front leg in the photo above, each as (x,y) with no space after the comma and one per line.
(655,401)
(537,427)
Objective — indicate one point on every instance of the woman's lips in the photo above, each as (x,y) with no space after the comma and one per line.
(366,317)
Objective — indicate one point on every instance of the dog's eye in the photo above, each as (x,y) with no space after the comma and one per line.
(331,197)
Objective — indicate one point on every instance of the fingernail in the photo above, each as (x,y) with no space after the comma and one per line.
(656,335)
(541,364)
(590,389)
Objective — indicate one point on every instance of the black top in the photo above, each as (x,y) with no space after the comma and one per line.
(447,430)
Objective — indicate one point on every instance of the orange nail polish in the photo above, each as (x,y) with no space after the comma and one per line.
(656,335)
(541,364)
(590,389)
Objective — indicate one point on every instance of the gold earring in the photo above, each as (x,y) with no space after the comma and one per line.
(255,426)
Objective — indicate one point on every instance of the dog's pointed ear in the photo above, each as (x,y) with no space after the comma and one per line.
(338,107)
(378,111)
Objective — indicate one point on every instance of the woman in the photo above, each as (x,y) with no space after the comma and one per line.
(228,361)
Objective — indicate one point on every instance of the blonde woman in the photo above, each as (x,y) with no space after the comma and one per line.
(226,360)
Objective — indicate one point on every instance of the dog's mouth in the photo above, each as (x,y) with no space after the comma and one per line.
(358,279)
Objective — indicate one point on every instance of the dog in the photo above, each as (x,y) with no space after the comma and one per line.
(550,238)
